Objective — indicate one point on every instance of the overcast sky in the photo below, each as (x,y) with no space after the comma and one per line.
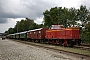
(15,10)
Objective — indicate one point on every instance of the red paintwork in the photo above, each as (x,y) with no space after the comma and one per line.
(72,33)
(62,33)
(28,34)
(57,33)
(37,33)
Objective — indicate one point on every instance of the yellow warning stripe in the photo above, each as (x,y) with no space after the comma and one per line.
(53,30)
(72,29)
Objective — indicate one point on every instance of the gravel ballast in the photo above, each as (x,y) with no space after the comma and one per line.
(11,50)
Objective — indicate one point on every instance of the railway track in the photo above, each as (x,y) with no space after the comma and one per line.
(52,48)
(83,47)
(87,45)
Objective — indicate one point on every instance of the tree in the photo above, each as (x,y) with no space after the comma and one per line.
(59,15)
(28,23)
(56,15)
(72,17)
(23,25)
(40,26)
(10,30)
(64,17)
(87,27)
(47,20)
(86,34)
(88,18)
(82,15)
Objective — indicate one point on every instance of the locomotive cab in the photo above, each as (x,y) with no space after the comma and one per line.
(55,33)
(56,27)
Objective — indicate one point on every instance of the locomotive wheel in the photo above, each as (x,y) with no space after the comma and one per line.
(38,41)
(60,42)
(34,40)
(65,43)
(48,41)
(79,42)
(52,41)
(57,41)
(71,44)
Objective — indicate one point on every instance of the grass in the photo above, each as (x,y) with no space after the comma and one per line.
(75,50)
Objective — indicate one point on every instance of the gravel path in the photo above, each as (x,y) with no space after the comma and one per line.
(11,50)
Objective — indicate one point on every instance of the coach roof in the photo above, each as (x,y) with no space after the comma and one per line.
(35,29)
(23,32)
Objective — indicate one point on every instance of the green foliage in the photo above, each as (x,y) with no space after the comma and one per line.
(82,15)
(86,34)
(72,15)
(65,16)
(10,31)
(85,37)
(59,15)
(24,25)
(88,18)
(87,27)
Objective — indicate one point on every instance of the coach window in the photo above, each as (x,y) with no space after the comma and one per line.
(55,27)
(39,32)
(30,32)
(34,32)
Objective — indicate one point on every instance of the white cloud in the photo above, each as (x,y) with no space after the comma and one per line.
(39,20)
(71,3)
(86,3)
(13,10)
(10,24)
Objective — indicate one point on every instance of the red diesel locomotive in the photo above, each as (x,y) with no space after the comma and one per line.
(55,35)
(63,36)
